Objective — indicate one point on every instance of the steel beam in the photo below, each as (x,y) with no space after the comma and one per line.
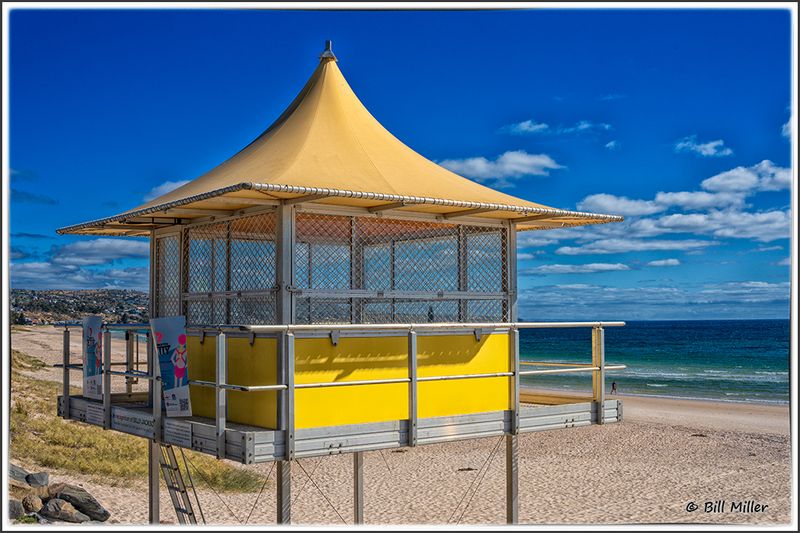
(412,388)
(221,393)
(284,492)
(65,375)
(467,212)
(153,482)
(386,207)
(358,488)
(512,479)
(106,391)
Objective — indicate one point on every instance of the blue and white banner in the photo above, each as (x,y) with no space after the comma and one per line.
(93,357)
(173,363)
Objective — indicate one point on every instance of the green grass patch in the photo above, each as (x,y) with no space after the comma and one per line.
(40,436)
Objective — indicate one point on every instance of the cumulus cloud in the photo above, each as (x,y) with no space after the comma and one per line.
(787,261)
(164,188)
(664,263)
(576,269)
(715,148)
(700,199)
(617,246)
(99,252)
(612,145)
(786,129)
(585,126)
(525,127)
(618,205)
(510,165)
(764,176)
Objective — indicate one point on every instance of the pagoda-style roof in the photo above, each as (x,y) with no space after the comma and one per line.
(327,148)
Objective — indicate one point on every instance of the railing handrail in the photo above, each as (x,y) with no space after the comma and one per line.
(285,328)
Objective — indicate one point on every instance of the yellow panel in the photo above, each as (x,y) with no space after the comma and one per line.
(356,359)
(247,365)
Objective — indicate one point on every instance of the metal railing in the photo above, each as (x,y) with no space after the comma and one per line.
(286,335)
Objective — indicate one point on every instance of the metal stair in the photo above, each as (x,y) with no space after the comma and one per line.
(178,489)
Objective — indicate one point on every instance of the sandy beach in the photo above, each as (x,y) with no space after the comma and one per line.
(665,454)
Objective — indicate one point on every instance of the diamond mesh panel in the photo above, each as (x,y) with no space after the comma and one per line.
(168,282)
(243,293)
(407,265)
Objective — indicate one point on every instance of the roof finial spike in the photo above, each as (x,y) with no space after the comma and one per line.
(328,52)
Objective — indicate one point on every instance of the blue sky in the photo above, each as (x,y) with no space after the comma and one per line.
(679,120)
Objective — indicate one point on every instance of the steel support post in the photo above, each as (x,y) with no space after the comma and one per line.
(284,492)
(153,482)
(106,392)
(514,366)
(65,375)
(512,479)
(599,375)
(221,393)
(412,388)
(358,488)
(130,337)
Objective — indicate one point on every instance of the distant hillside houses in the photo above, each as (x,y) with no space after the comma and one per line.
(49,306)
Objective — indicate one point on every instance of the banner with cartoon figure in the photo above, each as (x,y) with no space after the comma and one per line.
(173,363)
(93,357)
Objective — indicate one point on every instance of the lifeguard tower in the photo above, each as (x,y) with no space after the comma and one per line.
(342,294)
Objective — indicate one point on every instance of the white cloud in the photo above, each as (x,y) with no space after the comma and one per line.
(767,248)
(664,263)
(700,199)
(618,246)
(764,176)
(786,129)
(613,96)
(585,126)
(786,261)
(612,145)
(525,127)
(618,205)
(525,256)
(99,251)
(45,275)
(576,269)
(715,148)
(510,165)
(164,188)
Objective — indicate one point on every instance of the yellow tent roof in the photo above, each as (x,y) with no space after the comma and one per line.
(328,148)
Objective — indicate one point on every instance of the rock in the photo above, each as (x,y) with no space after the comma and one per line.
(41,492)
(40,479)
(32,503)
(53,489)
(17,474)
(81,499)
(58,509)
(15,509)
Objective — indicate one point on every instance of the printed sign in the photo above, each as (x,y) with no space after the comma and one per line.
(95,414)
(93,357)
(132,422)
(173,363)
(178,432)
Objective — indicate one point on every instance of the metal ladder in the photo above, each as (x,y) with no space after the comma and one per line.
(177,488)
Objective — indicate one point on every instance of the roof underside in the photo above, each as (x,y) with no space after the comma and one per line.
(326,148)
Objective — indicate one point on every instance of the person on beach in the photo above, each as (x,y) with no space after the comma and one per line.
(613,387)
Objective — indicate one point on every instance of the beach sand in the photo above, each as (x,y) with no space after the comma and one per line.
(646,469)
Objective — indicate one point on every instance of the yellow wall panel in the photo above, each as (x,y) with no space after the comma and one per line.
(317,360)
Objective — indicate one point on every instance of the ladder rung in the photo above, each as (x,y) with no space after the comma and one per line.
(177,489)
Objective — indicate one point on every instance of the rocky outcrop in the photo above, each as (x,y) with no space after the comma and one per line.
(47,502)
(58,509)
(82,501)
(15,509)
(32,503)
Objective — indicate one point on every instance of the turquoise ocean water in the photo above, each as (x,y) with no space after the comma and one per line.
(728,360)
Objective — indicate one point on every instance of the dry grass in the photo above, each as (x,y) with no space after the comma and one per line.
(40,436)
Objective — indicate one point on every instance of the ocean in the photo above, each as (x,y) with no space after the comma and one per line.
(725,360)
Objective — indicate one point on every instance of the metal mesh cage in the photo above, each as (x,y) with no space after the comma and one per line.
(167,278)
(368,269)
(230,271)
